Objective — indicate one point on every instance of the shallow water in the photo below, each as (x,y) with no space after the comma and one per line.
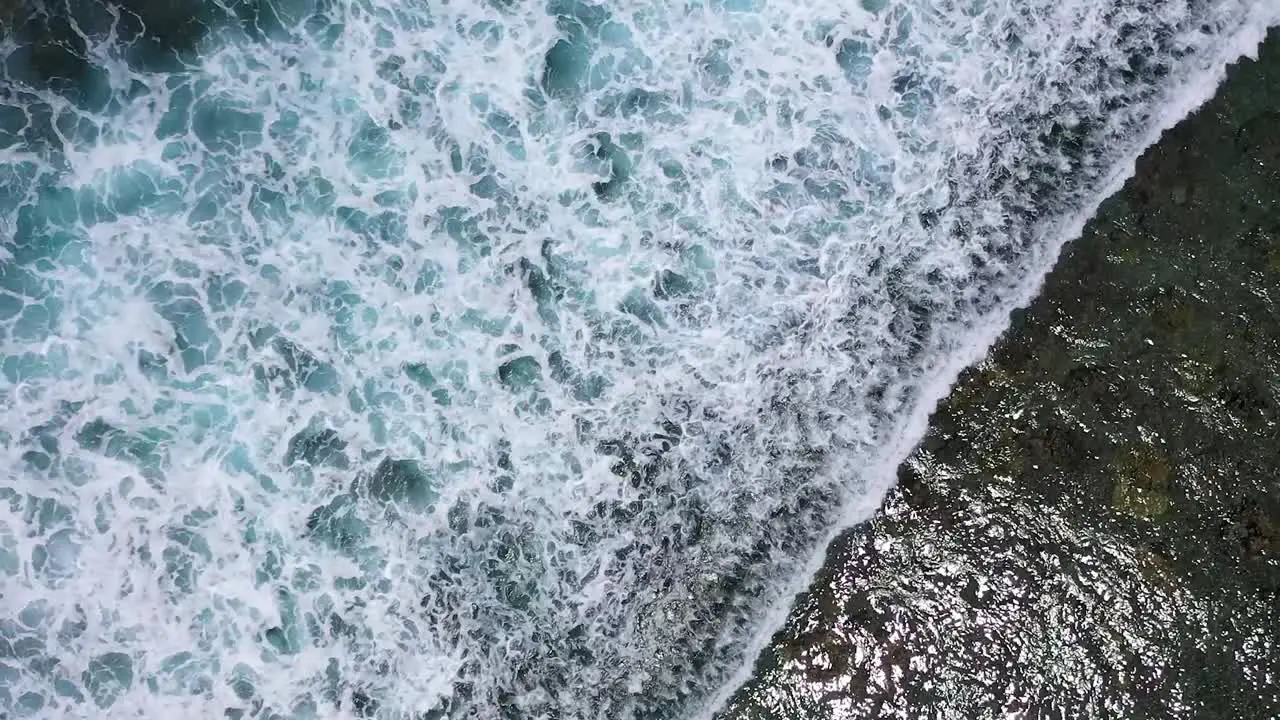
(503,360)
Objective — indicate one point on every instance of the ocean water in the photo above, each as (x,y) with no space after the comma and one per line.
(492,359)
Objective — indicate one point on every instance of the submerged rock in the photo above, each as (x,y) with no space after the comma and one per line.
(1142,486)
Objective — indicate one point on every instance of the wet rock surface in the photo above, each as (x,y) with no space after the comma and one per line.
(1091,527)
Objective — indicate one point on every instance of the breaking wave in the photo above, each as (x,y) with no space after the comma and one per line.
(498,359)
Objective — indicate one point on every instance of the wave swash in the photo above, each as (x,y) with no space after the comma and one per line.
(497,359)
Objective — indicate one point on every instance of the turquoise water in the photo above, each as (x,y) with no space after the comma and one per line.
(507,360)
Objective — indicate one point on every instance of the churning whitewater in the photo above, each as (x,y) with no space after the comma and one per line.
(499,359)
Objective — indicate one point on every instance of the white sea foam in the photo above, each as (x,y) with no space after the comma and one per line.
(514,360)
